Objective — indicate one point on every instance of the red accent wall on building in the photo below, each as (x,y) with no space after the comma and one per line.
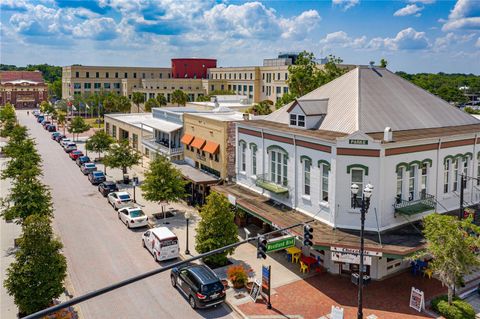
(191,68)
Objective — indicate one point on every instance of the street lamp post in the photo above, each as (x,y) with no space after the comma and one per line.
(188,215)
(366,194)
(134,182)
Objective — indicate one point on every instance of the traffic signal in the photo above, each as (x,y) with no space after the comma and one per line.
(262,247)
(307,235)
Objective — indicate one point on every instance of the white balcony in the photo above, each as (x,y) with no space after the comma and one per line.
(156,146)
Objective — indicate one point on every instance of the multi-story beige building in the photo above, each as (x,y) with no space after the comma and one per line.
(79,79)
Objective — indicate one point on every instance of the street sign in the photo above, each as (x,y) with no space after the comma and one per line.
(356,251)
(280,243)
(417,299)
(255,291)
(266,282)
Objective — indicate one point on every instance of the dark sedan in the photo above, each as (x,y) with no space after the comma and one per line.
(51,128)
(96,177)
(107,187)
(82,160)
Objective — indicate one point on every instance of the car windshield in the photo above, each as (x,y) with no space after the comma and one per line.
(136,213)
(89,165)
(124,197)
(111,186)
(98,174)
(213,287)
(84,158)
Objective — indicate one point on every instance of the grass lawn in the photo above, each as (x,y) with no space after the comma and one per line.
(93,122)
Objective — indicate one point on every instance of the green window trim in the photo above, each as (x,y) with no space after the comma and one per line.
(406,165)
(324,162)
(478,155)
(253,146)
(468,154)
(429,161)
(453,157)
(273,147)
(418,163)
(415,162)
(305,158)
(242,142)
(365,168)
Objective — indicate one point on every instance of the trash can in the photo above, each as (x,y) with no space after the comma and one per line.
(126,179)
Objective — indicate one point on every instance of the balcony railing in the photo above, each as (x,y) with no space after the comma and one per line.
(156,146)
(423,203)
(264,182)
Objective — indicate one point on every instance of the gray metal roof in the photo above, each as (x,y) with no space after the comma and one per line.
(370,99)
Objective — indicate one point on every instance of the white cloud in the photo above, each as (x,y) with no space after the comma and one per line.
(451,39)
(299,26)
(477,44)
(341,39)
(407,39)
(464,15)
(345,4)
(422,1)
(410,9)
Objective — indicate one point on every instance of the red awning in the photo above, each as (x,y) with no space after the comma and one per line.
(198,142)
(187,139)
(211,147)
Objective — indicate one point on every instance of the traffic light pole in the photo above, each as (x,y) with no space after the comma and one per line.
(104,290)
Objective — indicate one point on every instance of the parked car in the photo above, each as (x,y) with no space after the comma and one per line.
(51,128)
(199,284)
(59,138)
(75,154)
(96,177)
(82,160)
(55,134)
(70,147)
(87,168)
(36,113)
(133,217)
(107,187)
(45,123)
(119,200)
(162,243)
(40,118)
(64,141)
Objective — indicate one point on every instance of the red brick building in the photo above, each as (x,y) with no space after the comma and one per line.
(192,68)
(23,89)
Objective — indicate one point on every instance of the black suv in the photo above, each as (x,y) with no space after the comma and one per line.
(199,284)
(107,187)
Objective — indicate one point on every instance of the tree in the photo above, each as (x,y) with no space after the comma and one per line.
(452,244)
(383,63)
(55,89)
(37,275)
(216,228)
(163,183)
(61,119)
(24,160)
(77,126)
(284,100)
(8,119)
(161,99)
(261,108)
(99,142)
(109,104)
(17,136)
(27,197)
(137,99)
(179,97)
(151,103)
(122,156)
(122,104)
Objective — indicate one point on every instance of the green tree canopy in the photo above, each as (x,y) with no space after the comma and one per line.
(151,103)
(8,119)
(24,160)
(161,99)
(37,275)
(77,126)
(122,104)
(179,97)
(55,89)
(27,197)
(163,182)
(122,156)
(18,135)
(216,228)
(137,99)
(383,63)
(452,244)
(61,119)
(261,108)
(99,142)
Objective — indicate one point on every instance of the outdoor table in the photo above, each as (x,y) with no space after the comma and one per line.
(293,251)
(309,261)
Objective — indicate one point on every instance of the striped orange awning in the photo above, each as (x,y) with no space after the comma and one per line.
(187,139)
(211,147)
(197,142)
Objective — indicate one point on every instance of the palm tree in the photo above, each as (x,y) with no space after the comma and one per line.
(179,97)
(161,99)
(151,103)
(137,99)
(122,104)
(61,119)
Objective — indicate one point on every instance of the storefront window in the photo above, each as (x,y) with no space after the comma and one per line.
(412,182)
(446,176)
(306,177)
(399,184)
(254,160)
(423,185)
(278,167)
(357,178)
(455,175)
(324,171)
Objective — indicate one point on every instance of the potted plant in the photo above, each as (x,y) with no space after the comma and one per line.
(240,218)
(237,274)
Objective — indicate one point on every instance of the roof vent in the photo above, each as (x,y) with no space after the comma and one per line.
(371,64)
(246,116)
(388,135)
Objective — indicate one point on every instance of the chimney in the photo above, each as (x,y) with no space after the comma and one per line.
(387,135)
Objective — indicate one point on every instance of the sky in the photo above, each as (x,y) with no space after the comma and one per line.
(412,35)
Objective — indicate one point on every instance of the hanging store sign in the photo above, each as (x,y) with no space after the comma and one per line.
(279,243)
(356,251)
(350,258)
(358,142)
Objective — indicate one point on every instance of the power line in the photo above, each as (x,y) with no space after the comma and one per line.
(104,290)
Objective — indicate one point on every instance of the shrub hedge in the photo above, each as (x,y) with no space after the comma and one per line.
(459,309)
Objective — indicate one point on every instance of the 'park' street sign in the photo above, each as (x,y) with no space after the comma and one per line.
(280,243)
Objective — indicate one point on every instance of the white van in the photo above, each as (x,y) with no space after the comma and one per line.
(162,243)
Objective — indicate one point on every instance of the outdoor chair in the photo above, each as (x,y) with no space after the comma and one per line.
(296,258)
(303,267)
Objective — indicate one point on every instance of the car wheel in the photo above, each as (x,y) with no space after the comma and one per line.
(128,224)
(155,255)
(118,215)
(143,243)
(173,281)
(192,303)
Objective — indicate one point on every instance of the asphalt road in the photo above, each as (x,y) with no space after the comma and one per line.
(100,250)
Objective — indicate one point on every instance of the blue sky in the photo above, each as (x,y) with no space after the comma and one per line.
(413,35)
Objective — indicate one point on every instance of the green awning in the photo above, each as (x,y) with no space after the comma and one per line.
(416,208)
(272,187)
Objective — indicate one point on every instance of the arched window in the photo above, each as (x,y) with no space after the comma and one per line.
(242,163)
(278,158)
(253,148)
(324,176)
(306,166)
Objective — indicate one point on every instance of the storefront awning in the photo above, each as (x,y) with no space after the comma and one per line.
(211,147)
(193,174)
(197,142)
(187,139)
